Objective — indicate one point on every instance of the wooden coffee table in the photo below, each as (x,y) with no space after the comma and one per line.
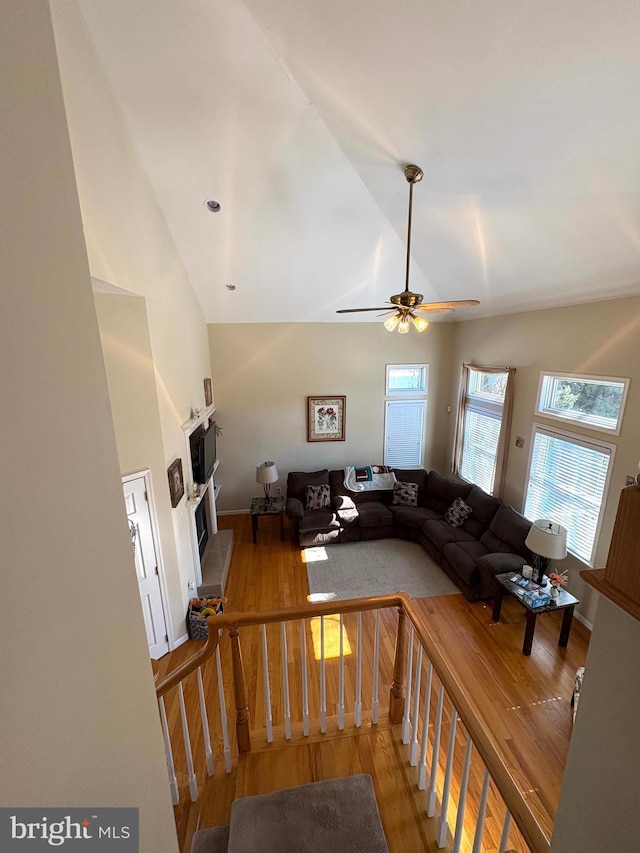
(565,602)
(260,506)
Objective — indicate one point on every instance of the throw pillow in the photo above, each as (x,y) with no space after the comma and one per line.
(318,497)
(458,513)
(405,494)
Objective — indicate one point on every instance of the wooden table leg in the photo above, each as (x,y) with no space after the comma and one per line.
(254,527)
(497,603)
(528,633)
(565,630)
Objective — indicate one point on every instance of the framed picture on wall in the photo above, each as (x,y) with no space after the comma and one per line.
(326,418)
(176,482)
(208,392)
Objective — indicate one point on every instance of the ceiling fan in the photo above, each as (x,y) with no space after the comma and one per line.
(405,304)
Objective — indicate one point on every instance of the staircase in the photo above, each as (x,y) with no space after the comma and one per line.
(342,704)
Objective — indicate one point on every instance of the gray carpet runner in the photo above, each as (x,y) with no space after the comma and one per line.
(340,815)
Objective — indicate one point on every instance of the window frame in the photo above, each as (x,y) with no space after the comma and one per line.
(404,396)
(403,392)
(583,440)
(566,417)
(481,405)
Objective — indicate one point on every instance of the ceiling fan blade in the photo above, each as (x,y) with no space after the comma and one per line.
(429,309)
(354,310)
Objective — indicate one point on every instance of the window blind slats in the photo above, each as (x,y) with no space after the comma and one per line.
(567,482)
(404,432)
(481,435)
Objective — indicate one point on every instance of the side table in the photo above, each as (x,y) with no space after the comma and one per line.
(565,602)
(260,506)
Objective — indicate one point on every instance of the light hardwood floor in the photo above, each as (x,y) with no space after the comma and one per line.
(523,701)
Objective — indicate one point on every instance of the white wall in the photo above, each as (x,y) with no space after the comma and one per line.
(78,717)
(598,338)
(124,333)
(599,807)
(263,374)
(130,246)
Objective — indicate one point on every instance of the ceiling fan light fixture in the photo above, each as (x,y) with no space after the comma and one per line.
(420,324)
(391,322)
(404,325)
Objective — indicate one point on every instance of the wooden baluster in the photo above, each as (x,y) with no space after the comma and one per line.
(443,825)
(193,783)
(376,670)
(323,681)
(305,679)
(462,798)
(341,678)
(431,798)
(406,722)
(240,693)
(482,810)
(285,681)
(506,827)
(173,783)
(396,696)
(422,764)
(205,725)
(358,702)
(268,718)
(413,750)
(223,714)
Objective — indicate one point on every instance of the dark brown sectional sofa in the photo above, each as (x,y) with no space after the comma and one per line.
(489,542)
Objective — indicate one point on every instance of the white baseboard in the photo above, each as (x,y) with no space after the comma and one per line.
(584,621)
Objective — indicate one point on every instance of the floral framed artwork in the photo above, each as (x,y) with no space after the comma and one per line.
(176,482)
(326,418)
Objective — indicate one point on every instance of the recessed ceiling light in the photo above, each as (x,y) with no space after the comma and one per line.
(230,286)
(212,205)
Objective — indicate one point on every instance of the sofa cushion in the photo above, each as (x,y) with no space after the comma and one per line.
(507,532)
(317,497)
(412,516)
(484,508)
(457,513)
(440,492)
(318,519)
(373,514)
(441,533)
(297,482)
(405,494)
(463,558)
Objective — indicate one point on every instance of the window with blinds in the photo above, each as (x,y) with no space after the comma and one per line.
(483,406)
(568,482)
(404,433)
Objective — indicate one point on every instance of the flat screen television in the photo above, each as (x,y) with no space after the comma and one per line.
(207,453)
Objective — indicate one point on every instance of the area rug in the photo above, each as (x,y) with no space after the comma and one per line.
(380,567)
(337,815)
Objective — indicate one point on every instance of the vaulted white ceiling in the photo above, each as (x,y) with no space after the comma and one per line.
(298,117)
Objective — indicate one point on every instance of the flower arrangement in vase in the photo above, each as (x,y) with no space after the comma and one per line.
(556,581)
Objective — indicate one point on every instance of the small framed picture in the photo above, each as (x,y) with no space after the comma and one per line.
(208,392)
(326,418)
(176,482)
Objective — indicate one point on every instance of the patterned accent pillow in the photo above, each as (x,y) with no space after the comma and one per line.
(458,513)
(318,497)
(405,494)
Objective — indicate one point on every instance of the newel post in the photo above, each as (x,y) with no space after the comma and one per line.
(396,696)
(239,693)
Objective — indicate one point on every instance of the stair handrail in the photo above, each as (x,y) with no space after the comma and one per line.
(514,800)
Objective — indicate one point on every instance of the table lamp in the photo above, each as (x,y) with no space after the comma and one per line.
(548,541)
(266,473)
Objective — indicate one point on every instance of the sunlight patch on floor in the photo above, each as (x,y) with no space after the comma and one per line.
(314,555)
(331,638)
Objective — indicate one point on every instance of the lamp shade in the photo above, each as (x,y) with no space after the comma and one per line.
(548,539)
(266,472)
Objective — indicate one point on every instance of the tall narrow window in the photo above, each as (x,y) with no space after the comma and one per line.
(568,480)
(405,414)
(484,418)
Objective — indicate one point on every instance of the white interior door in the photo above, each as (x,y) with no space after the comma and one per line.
(146,562)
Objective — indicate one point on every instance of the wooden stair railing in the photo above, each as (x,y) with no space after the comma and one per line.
(401,703)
